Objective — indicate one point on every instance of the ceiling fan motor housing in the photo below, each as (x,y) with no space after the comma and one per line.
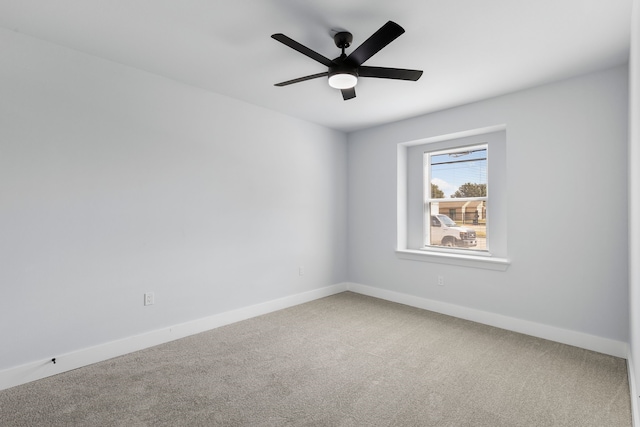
(343,67)
(343,74)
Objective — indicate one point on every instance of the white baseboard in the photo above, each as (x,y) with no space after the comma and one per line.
(564,336)
(65,362)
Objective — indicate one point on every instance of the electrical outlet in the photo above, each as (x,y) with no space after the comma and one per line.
(440,280)
(149,298)
(301,271)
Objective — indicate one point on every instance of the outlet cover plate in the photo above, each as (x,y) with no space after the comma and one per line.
(149,298)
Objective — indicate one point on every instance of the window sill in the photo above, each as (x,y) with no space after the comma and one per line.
(462,260)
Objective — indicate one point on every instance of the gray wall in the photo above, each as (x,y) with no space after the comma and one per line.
(115,182)
(634,201)
(567,207)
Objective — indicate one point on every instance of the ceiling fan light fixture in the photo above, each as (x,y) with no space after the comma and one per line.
(343,80)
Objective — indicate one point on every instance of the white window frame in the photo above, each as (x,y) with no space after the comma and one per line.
(409,245)
(428,200)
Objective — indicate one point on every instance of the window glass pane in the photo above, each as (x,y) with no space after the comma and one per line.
(458,174)
(457,207)
(459,224)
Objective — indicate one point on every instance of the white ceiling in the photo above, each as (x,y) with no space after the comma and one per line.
(469,49)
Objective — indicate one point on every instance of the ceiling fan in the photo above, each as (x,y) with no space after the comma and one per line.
(343,71)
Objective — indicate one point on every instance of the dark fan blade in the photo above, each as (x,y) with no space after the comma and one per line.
(348,93)
(385,35)
(302,79)
(302,49)
(389,73)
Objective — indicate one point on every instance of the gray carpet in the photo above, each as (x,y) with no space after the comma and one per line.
(345,360)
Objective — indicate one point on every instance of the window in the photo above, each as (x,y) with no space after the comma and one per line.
(455,199)
(447,186)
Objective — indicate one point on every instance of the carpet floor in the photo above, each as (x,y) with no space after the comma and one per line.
(344,360)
